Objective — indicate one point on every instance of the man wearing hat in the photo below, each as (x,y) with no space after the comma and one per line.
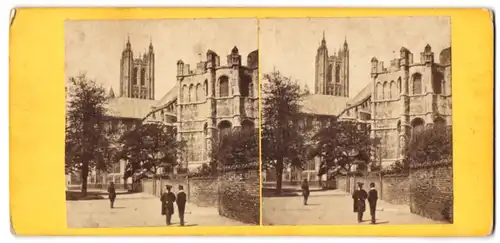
(167,203)
(359,196)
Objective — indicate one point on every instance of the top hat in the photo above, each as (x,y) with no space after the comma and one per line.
(360,183)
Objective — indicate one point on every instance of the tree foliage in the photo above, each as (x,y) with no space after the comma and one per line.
(340,143)
(88,142)
(433,144)
(149,147)
(282,139)
(237,148)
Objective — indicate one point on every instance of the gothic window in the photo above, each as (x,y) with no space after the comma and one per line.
(337,73)
(393,90)
(439,121)
(379,92)
(437,83)
(185,93)
(191,95)
(385,91)
(200,92)
(134,76)
(247,125)
(417,83)
(417,125)
(399,85)
(245,84)
(223,86)
(206,88)
(224,129)
(143,76)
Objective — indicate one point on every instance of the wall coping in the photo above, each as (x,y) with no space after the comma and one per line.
(433,164)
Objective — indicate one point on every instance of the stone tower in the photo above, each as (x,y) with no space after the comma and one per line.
(137,78)
(332,72)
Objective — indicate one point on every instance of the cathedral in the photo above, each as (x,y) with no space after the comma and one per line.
(209,100)
(398,101)
(332,72)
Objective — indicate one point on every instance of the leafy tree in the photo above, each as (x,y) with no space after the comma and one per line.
(87,145)
(281,136)
(149,147)
(237,148)
(433,144)
(340,143)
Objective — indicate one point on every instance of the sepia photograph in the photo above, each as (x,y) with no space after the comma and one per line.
(162,123)
(356,121)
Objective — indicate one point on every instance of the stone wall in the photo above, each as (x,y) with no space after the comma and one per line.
(240,195)
(393,189)
(203,191)
(432,191)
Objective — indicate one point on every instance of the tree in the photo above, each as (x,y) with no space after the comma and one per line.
(149,147)
(237,148)
(340,143)
(433,144)
(87,145)
(281,136)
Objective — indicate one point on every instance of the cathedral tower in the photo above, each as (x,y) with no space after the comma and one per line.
(137,78)
(332,72)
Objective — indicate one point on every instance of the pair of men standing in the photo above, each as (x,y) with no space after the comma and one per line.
(167,203)
(360,196)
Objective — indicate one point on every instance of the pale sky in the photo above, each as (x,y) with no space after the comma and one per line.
(290,45)
(95,47)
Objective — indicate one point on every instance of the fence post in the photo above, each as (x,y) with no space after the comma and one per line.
(188,185)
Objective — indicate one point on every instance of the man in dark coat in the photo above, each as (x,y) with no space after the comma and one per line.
(181,203)
(111,194)
(359,197)
(167,204)
(372,200)
(305,190)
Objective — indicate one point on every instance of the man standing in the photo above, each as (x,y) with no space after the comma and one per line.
(111,194)
(359,197)
(167,203)
(372,200)
(305,190)
(181,203)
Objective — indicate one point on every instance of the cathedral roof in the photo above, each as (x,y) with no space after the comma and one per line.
(361,96)
(328,105)
(168,97)
(124,107)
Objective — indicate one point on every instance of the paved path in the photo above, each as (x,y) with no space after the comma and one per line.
(331,207)
(136,210)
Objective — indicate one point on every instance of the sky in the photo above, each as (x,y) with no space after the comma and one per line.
(290,45)
(95,47)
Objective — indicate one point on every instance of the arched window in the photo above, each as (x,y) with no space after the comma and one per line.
(205,84)
(417,125)
(417,83)
(393,90)
(337,74)
(224,129)
(223,86)
(245,83)
(134,76)
(185,93)
(379,92)
(247,125)
(399,86)
(199,93)
(205,147)
(191,95)
(437,83)
(143,76)
(386,91)
(439,121)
